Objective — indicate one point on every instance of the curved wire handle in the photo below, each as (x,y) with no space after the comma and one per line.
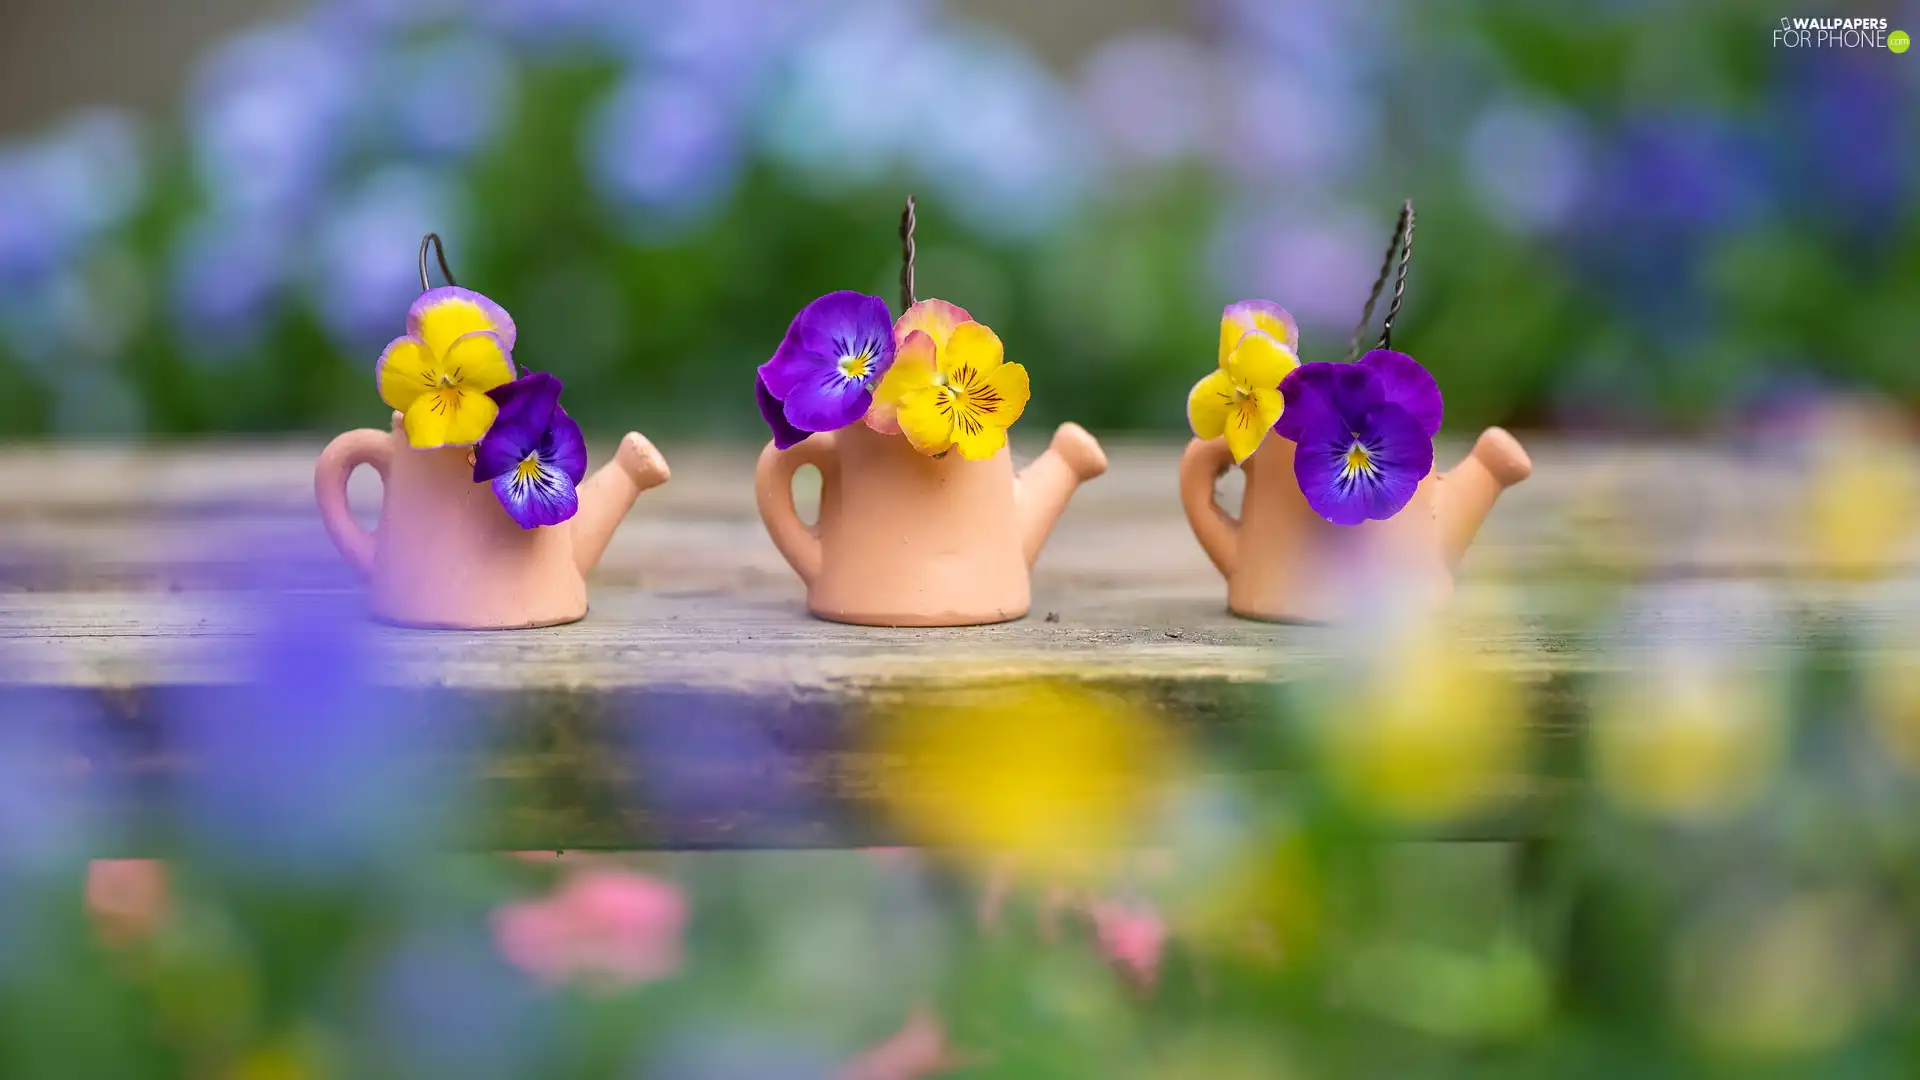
(906,256)
(439,249)
(1401,243)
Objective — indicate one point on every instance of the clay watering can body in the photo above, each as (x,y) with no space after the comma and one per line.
(904,539)
(446,555)
(1285,563)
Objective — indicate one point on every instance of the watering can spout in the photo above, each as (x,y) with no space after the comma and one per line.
(1045,486)
(1468,492)
(608,494)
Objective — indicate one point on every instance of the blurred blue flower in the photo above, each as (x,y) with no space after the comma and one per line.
(55,773)
(58,193)
(1840,137)
(366,266)
(446,1005)
(311,766)
(840,129)
(42,317)
(725,762)
(730,46)
(270,112)
(1665,188)
(1527,163)
(665,147)
(1153,97)
(1318,261)
(227,276)
(996,135)
(548,25)
(1279,122)
(445,97)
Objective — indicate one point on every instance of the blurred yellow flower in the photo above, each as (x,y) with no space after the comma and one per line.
(1054,775)
(1788,975)
(1861,500)
(1891,679)
(1686,738)
(1431,732)
(294,1057)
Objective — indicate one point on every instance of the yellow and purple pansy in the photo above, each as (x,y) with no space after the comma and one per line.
(534,454)
(822,377)
(458,346)
(962,396)
(934,322)
(1363,433)
(1241,399)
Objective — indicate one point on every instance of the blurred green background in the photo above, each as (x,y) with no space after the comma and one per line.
(1633,216)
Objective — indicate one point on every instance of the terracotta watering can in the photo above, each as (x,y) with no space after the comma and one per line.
(904,539)
(1285,563)
(446,555)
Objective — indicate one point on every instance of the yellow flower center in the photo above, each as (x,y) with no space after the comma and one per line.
(1359,460)
(856,365)
(527,469)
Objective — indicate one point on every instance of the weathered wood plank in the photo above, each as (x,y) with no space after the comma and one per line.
(126,588)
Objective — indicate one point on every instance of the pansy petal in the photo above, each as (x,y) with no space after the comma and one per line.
(935,318)
(1260,361)
(980,442)
(973,347)
(526,406)
(784,434)
(449,416)
(1397,454)
(1248,423)
(537,492)
(806,373)
(440,316)
(1207,405)
(478,361)
(565,446)
(1242,318)
(914,366)
(404,371)
(1409,385)
(1008,391)
(926,420)
(829,404)
(1346,390)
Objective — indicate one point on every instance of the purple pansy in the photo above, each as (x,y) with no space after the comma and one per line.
(1363,431)
(833,356)
(784,434)
(533,453)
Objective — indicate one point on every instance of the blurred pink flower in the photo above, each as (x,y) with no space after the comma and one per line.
(1133,936)
(919,1049)
(127,898)
(605,928)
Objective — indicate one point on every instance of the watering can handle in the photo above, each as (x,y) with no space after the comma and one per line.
(799,543)
(1218,533)
(337,462)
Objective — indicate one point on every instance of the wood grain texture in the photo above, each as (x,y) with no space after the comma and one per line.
(133,584)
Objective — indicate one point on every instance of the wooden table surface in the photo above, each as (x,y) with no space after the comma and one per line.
(125,574)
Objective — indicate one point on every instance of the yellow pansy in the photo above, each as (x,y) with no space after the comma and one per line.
(933,320)
(963,396)
(1242,400)
(458,346)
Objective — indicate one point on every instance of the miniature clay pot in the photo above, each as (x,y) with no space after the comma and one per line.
(446,555)
(904,539)
(1285,563)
